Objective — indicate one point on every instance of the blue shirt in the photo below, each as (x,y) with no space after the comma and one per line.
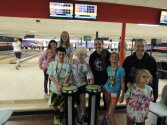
(116,87)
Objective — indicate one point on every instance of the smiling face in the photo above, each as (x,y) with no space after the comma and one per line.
(81,57)
(98,45)
(53,45)
(114,58)
(140,47)
(61,56)
(64,37)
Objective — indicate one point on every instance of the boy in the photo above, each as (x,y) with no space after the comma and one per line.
(59,73)
(81,76)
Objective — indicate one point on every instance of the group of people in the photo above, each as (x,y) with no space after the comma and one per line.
(137,78)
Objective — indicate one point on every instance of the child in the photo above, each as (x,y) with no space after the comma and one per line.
(65,42)
(113,86)
(81,76)
(17,51)
(58,73)
(138,98)
(44,60)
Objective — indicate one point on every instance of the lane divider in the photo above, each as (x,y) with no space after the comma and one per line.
(25,59)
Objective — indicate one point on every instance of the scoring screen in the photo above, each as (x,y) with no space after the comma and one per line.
(58,9)
(85,11)
(163,17)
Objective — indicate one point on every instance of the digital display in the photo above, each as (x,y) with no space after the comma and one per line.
(163,17)
(85,11)
(59,9)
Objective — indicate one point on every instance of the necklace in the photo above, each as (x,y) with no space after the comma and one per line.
(58,72)
(112,78)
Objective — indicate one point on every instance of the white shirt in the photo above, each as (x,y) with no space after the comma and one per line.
(17,46)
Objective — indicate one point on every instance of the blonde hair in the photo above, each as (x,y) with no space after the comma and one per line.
(81,49)
(115,54)
(67,44)
(140,72)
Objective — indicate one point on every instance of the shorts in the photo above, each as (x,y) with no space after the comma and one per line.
(57,101)
(81,90)
(18,55)
(114,96)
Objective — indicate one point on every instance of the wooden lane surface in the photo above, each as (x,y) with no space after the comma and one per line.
(25,83)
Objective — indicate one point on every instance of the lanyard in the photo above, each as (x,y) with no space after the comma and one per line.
(58,73)
(113,78)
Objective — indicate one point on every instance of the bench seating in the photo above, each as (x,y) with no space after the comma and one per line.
(160,108)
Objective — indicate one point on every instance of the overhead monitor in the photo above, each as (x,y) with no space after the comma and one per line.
(85,11)
(163,17)
(87,38)
(61,9)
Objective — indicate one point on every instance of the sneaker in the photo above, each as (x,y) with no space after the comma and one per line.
(60,121)
(105,120)
(46,96)
(56,121)
(85,118)
(60,116)
(79,120)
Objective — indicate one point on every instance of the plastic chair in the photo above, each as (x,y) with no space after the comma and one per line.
(160,108)
(5,114)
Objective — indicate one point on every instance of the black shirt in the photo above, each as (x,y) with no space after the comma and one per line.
(98,64)
(132,64)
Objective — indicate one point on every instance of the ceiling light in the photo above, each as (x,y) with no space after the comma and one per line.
(147,25)
(32,31)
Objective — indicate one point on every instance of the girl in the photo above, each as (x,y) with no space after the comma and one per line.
(113,86)
(17,51)
(47,57)
(81,76)
(138,98)
(98,61)
(65,42)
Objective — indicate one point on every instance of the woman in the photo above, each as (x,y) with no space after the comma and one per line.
(141,60)
(98,61)
(47,57)
(17,51)
(65,42)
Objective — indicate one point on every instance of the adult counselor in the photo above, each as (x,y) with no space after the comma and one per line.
(141,60)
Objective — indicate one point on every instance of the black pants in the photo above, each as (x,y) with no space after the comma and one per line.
(46,77)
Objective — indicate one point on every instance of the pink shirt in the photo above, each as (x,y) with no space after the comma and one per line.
(45,59)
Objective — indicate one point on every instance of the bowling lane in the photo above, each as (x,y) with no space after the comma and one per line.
(5,59)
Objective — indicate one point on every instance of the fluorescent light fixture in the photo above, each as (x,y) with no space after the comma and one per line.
(147,25)
(32,31)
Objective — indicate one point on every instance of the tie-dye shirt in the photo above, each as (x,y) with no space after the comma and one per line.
(138,104)
(59,71)
(80,73)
